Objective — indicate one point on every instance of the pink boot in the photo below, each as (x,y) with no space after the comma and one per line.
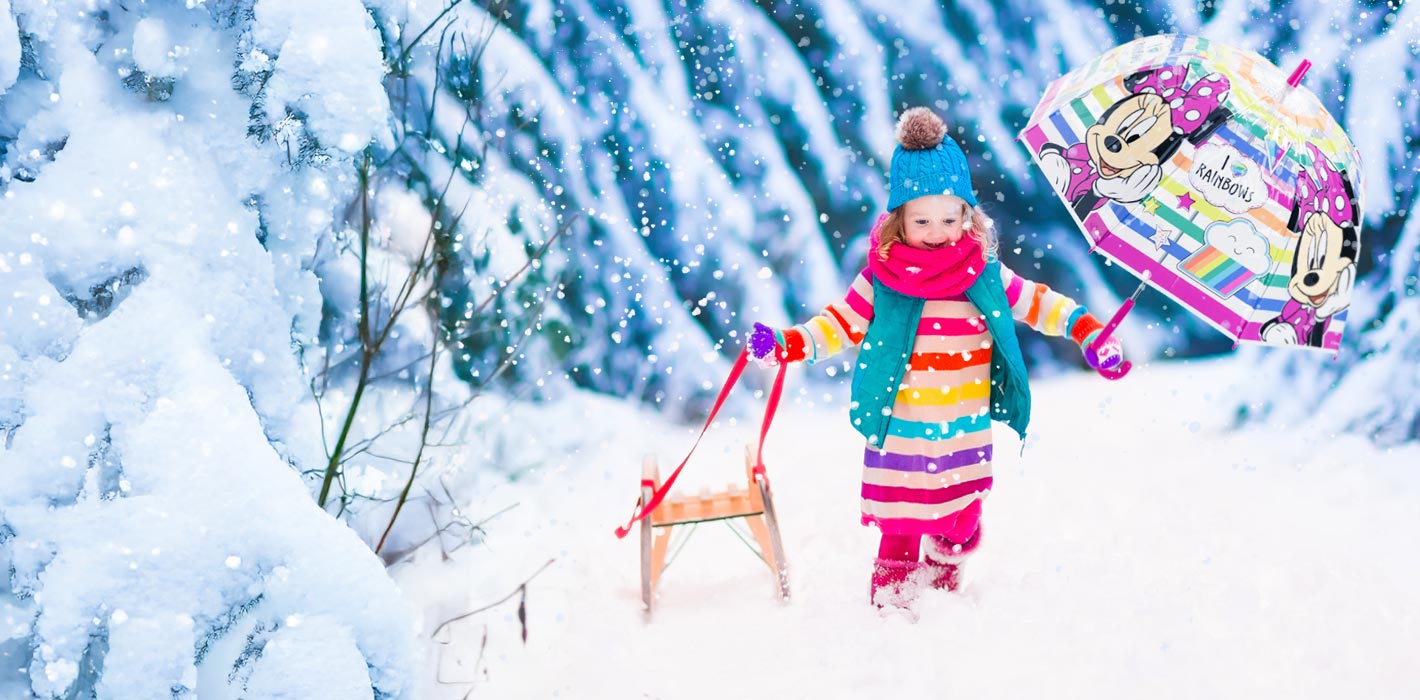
(945,558)
(893,582)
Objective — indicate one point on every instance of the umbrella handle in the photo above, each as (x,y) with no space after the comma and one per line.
(1114,373)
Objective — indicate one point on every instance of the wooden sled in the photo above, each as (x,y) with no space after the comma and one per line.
(755,504)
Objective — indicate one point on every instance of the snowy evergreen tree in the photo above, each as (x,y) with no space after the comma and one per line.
(169,175)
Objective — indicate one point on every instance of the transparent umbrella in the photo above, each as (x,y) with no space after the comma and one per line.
(1215,178)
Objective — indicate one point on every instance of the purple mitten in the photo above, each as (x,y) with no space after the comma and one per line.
(1109,354)
(762,342)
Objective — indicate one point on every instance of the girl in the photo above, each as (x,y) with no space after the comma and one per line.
(938,360)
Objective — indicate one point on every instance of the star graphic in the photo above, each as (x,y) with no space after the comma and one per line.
(1161,238)
(1185,200)
(1150,204)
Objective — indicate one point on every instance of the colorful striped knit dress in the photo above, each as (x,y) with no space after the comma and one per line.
(935,466)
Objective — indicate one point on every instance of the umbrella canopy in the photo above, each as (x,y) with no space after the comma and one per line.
(1212,175)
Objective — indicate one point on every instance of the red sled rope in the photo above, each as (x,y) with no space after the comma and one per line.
(643,510)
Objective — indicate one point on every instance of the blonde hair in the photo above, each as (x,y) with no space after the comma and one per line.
(976,224)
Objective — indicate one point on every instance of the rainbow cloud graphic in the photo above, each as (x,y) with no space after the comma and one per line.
(1234,255)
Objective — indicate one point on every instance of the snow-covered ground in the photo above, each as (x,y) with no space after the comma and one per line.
(1136,549)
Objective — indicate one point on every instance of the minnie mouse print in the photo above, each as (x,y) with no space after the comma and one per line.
(1325,217)
(1122,155)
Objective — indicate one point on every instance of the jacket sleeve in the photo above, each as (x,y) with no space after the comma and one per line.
(841,325)
(1046,310)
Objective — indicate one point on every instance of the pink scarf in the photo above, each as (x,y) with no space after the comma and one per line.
(928,274)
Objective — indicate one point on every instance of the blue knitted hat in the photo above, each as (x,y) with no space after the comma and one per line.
(926,161)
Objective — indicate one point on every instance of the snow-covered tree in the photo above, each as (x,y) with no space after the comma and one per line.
(171,174)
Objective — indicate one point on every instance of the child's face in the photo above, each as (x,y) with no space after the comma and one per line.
(934,221)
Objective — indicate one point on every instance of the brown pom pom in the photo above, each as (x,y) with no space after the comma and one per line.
(920,128)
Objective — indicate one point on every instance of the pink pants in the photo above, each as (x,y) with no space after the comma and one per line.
(909,547)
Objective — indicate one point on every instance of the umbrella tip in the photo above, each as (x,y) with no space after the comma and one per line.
(1297,74)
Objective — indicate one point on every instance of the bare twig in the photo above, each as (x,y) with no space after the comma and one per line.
(440,530)
(389,458)
(364,445)
(520,590)
(535,257)
(419,454)
(366,356)
(398,63)
(382,302)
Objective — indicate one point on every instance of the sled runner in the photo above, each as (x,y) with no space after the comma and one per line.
(660,515)
(755,504)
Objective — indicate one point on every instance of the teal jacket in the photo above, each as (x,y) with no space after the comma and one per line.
(887,346)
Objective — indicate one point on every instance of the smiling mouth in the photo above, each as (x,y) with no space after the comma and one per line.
(1107,171)
(1318,299)
(935,246)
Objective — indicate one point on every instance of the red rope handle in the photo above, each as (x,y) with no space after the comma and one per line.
(643,510)
(770,406)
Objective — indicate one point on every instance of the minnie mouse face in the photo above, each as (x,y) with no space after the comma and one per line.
(1129,135)
(1122,155)
(1325,215)
(1324,252)
(1327,244)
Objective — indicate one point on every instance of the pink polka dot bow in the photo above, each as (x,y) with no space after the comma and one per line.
(1189,107)
(1321,188)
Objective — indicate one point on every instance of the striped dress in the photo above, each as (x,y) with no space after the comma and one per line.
(935,465)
